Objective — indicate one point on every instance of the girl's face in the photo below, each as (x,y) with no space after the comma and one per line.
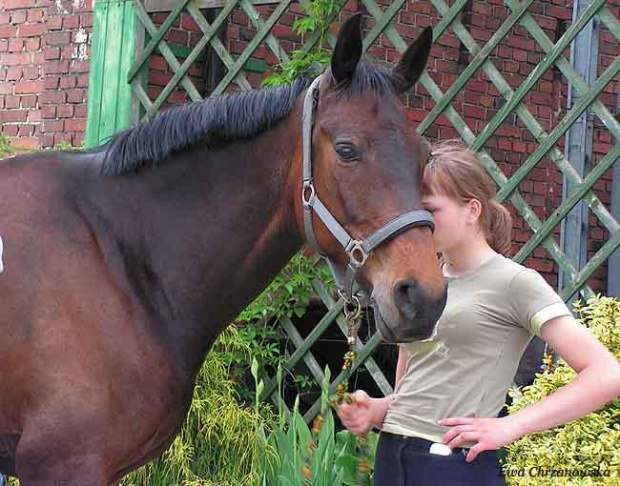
(455,221)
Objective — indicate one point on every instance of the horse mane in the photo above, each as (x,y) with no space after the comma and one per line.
(217,121)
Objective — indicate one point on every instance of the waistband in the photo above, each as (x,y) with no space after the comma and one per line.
(423,443)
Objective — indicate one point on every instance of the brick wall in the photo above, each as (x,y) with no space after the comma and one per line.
(44,56)
(44,52)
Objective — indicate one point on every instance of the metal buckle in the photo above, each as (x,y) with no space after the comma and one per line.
(352,309)
(357,254)
(308,202)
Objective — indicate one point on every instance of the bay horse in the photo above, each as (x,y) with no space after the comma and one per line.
(122,264)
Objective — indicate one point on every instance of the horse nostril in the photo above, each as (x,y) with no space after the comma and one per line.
(406,296)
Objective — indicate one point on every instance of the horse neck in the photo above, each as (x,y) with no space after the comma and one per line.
(195,241)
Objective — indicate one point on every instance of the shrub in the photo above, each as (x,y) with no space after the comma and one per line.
(582,452)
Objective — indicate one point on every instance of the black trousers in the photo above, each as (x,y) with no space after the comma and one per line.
(406,461)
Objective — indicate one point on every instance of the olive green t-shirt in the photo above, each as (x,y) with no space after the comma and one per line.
(490,316)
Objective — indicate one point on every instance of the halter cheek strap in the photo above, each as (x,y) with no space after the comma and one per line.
(357,250)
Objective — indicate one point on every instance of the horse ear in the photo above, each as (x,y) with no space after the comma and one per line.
(413,61)
(348,50)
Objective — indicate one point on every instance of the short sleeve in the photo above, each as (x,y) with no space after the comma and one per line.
(532,301)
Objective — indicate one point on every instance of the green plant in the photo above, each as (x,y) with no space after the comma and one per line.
(581,452)
(314,456)
(314,61)
(259,334)
(5,146)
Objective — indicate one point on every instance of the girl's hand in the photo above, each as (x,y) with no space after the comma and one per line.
(489,433)
(364,413)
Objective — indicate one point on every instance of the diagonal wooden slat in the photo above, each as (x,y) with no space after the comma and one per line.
(217,46)
(545,230)
(308,358)
(480,57)
(165,51)
(272,42)
(252,46)
(180,73)
(156,37)
(363,354)
(550,140)
(537,73)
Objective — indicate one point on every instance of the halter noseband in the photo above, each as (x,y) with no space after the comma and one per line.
(358,250)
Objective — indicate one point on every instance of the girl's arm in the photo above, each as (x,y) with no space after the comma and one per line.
(597,381)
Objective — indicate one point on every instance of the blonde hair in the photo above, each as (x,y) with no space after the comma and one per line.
(454,171)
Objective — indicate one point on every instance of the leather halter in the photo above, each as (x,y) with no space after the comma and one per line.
(357,250)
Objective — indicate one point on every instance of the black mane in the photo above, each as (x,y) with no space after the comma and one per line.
(217,121)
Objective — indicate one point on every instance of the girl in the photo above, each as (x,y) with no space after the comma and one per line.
(441,425)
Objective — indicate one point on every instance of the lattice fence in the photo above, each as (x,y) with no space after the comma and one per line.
(127,37)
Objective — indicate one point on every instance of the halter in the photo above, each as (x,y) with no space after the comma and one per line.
(357,250)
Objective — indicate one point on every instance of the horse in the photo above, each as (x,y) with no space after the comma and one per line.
(123,263)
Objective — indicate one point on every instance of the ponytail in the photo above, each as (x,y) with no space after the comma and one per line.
(497,226)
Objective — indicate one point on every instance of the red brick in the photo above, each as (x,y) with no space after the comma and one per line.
(54,23)
(75,125)
(56,67)
(51,82)
(14,73)
(80,66)
(5,18)
(51,126)
(25,131)
(52,53)
(10,130)
(560,13)
(15,59)
(34,116)
(67,82)
(36,15)
(33,44)
(76,95)
(71,22)
(16,45)
(58,38)
(81,111)
(82,81)
(30,87)
(29,143)
(29,101)
(31,72)
(48,111)
(12,102)
(7,31)
(47,141)
(13,116)
(86,20)
(31,30)
(4,45)
(65,111)
(53,97)
(15,4)
(6,88)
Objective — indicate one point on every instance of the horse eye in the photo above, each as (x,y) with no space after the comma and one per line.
(347,152)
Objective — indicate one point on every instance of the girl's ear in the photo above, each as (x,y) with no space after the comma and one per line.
(474,208)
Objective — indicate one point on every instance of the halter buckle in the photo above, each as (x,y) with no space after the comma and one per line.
(357,254)
(308,194)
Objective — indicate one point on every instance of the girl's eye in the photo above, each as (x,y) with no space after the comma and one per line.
(347,152)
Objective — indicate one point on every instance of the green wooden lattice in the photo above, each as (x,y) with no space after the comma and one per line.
(114,17)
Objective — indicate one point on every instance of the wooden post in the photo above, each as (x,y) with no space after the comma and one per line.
(113,47)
